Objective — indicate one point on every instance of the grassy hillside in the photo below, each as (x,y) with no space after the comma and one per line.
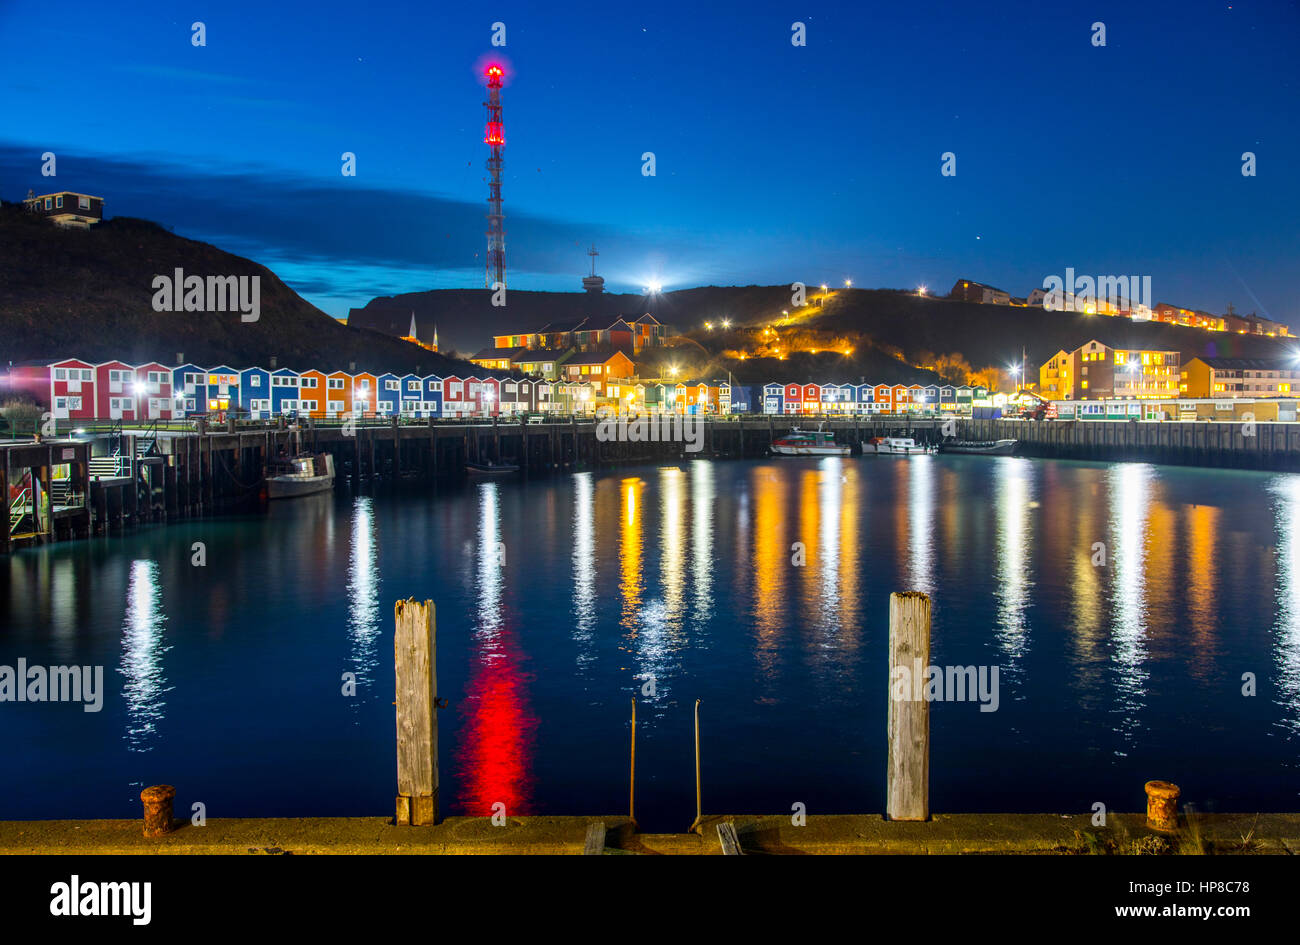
(88,294)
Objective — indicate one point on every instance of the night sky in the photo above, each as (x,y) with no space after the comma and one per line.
(774,163)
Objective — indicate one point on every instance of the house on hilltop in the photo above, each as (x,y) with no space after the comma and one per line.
(67,208)
(967,291)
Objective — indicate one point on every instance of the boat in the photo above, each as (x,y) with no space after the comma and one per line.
(490,469)
(894,446)
(819,442)
(981,447)
(299,474)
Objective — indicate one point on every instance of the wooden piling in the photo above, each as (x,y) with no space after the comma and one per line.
(908,775)
(416,662)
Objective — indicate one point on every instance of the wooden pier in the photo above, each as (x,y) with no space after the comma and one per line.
(99,482)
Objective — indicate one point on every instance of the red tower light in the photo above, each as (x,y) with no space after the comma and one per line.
(495,138)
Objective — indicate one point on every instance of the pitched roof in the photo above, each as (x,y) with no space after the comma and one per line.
(537,355)
(593,357)
(498,354)
(567,325)
(1240,364)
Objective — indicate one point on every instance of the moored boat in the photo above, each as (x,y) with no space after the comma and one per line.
(819,442)
(981,447)
(288,477)
(894,446)
(490,469)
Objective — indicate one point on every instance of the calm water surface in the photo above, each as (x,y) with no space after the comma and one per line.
(226,680)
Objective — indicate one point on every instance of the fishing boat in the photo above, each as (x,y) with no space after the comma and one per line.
(289,476)
(981,447)
(490,469)
(819,442)
(894,446)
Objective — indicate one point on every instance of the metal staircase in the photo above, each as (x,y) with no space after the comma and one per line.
(18,509)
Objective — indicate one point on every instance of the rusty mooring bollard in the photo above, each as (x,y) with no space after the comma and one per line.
(1162,806)
(158,809)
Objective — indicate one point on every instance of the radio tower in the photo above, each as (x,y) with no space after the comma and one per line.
(496,140)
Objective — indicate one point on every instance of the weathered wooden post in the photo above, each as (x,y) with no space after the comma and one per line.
(908,778)
(415,653)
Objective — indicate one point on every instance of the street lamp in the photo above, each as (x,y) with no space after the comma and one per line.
(848,283)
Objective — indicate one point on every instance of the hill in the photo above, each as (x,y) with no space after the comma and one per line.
(88,294)
(924,327)
(467,320)
(884,335)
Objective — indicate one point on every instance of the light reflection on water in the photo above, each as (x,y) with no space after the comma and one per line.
(688,573)
(142,652)
(1131,485)
(363,592)
(1286,654)
(1012,575)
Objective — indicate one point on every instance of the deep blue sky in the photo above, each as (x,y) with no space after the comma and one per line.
(775,163)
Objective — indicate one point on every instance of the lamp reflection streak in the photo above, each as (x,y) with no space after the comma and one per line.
(1012,571)
(584,566)
(494,752)
(1286,652)
(1130,483)
(363,591)
(920,525)
(142,652)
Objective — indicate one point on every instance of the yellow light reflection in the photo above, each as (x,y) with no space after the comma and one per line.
(1201,586)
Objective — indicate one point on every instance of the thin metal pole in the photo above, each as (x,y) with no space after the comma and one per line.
(631,787)
(699,810)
